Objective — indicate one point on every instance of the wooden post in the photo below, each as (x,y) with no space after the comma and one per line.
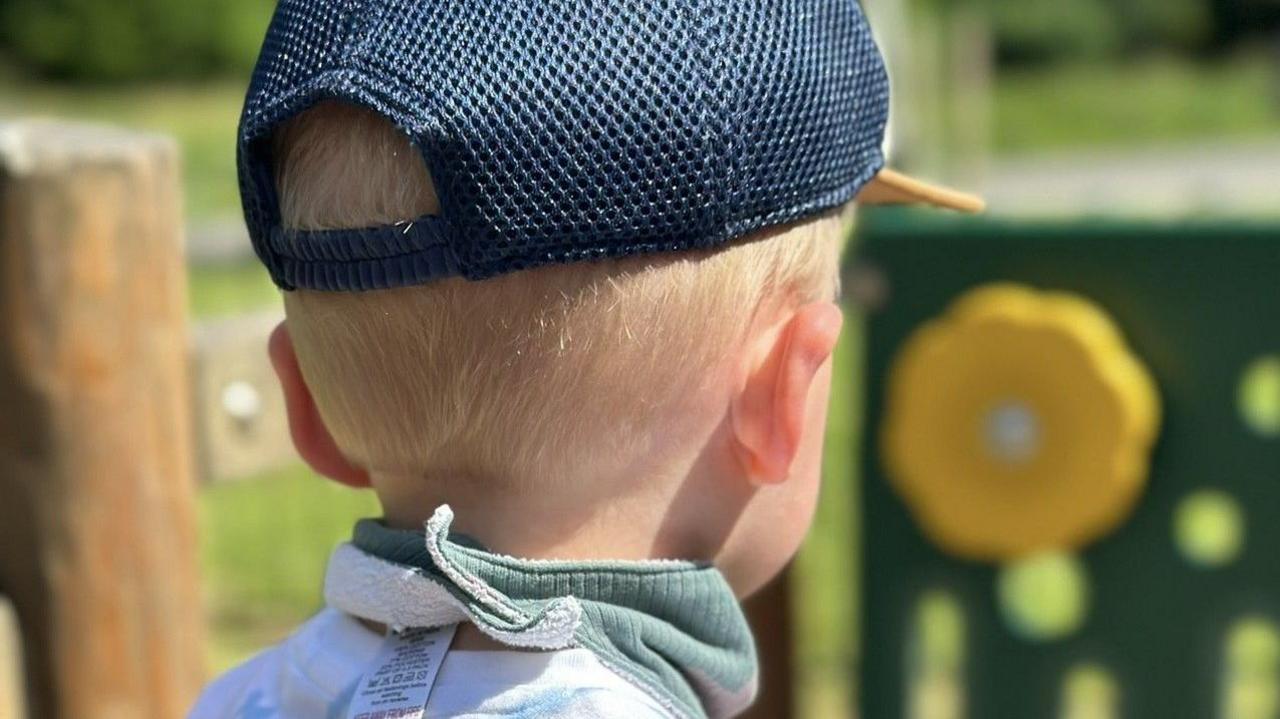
(12,693)
(97,526)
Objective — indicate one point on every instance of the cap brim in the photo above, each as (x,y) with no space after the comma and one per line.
(894,188)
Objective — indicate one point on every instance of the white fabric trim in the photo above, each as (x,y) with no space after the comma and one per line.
(365,586)
(437,527)
(368,587)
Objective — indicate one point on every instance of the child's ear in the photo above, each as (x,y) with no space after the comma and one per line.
(768,415)
(310,436)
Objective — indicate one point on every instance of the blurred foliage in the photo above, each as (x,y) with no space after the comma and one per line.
(1240,19)
(1041,31)
(108,40)
(1049,31)
(1167,24)
(1137,102)
(1032,31)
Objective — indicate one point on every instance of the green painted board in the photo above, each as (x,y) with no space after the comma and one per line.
(1198,303)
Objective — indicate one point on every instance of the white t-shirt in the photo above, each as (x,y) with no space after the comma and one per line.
(314,673)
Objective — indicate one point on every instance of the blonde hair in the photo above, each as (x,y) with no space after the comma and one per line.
(532,373)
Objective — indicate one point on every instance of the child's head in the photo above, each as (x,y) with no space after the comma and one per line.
(679,396)
(648,202)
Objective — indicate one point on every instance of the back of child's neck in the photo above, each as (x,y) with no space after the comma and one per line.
(658,520)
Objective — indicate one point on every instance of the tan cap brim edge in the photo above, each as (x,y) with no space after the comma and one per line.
(894,188)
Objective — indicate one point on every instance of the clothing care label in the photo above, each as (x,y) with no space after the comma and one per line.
(400,682)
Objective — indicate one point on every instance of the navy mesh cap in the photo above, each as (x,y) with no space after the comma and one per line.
(566,130)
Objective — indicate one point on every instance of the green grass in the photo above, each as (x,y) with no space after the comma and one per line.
(201,117)
(1143,102)
(264,544)
(229,289)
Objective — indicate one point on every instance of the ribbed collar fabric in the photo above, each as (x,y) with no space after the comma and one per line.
(672,628)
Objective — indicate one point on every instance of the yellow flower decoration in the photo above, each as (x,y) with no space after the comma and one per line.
(1018,422)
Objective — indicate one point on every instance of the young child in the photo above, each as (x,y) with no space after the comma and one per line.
(561,285)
